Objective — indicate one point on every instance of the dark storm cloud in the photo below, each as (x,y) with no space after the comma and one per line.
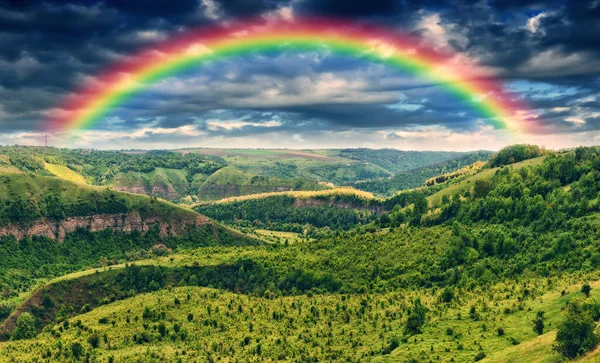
(47,47)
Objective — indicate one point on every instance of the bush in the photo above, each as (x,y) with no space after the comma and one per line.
(5,311)
(447,295)
(416,319)
(538,323)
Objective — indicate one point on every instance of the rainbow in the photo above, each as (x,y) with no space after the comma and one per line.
(101,94)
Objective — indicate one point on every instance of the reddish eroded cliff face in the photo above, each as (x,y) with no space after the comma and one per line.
(126,222)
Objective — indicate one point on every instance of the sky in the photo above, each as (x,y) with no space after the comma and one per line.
(547,53)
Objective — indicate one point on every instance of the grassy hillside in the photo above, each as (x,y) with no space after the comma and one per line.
(320,325)
(27,199)
(208,174)
(304,194)
(64,172)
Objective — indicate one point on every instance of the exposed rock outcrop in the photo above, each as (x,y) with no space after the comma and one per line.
(126,222)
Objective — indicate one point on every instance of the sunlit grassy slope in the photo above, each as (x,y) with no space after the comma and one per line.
(64,172)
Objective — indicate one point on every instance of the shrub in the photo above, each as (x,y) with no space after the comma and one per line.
(447,295)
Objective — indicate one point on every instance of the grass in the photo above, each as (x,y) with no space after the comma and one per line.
(166,183)
(64,172)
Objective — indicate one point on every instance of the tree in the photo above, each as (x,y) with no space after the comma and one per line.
(538,323)
(76,350)
(47,302)
(586,288)
(25,327)
(5,311)
(576,335)
(481,189)
(447,295)
(417,317)
(162,329)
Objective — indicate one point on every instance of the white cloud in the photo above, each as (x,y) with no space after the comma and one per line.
(270,91)
(151,35)
(211,9)
(197,49)
(533,24)
(577,121)
(439,33)
(553,62)
(282,13)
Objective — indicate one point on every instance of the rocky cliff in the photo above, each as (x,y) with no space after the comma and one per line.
(126,222)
